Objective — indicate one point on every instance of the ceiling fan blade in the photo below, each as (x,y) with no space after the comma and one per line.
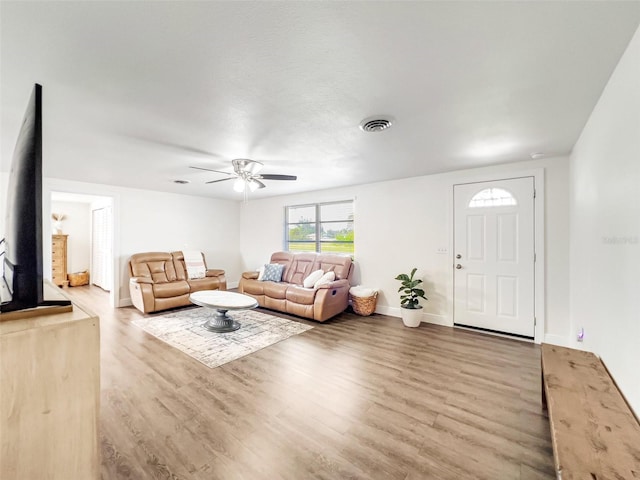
(260,184)
(222,180)
(210,170)
(273,176)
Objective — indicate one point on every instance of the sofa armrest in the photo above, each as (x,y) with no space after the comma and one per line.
(250,275)
(140,280)
(344,283)
(142,297)
(214,272)
(331,299)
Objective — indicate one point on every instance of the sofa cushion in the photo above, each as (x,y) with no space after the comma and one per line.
(207,283)
(179,265)
(275,290)
(300,267)
(170,289)
(311,280)
(301,295)
(272,272)
(162,272)
(155,265)
(283,258)
(340,264)
(252,286)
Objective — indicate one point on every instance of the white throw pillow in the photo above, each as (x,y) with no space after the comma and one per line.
(261,273)
(325,279)
(313,277)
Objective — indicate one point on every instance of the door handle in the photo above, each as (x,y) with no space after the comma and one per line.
(458,256)
(458,266)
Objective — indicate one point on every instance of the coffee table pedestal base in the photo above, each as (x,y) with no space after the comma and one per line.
(221,323)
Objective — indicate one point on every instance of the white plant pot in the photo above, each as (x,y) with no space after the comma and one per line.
(411,316)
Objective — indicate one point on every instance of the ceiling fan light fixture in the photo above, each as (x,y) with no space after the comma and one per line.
(239,185)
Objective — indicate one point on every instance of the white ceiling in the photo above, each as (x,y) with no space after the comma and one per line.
(136,92)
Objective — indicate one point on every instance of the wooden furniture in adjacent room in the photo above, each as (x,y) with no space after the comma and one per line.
(49,406)
(593,430)
(59,260)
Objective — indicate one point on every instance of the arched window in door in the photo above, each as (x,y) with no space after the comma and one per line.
(492,197)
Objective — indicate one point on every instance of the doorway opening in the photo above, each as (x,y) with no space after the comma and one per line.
(86,224)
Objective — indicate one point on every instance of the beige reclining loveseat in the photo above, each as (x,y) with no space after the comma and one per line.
(159,281)
(290,296)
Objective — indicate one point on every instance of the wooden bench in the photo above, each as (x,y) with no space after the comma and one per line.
(594,432)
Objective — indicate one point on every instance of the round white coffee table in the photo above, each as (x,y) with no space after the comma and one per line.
(222,302)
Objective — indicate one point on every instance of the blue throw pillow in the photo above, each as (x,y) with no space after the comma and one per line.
(272,272)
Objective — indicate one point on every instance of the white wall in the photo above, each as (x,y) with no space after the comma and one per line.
(147,221)
(77,225)
(400,224)
(4,185)
(605,227)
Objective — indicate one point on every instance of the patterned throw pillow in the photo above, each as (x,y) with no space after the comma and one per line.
(272,272)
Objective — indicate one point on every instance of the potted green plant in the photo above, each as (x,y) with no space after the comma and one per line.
(411,309)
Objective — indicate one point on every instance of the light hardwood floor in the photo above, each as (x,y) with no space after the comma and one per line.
(356,397)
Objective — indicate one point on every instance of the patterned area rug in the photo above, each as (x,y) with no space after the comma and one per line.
(183,330)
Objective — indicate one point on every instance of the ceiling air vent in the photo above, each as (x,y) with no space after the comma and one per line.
(375,124)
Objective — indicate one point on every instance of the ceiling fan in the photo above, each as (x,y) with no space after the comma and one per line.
(246,175)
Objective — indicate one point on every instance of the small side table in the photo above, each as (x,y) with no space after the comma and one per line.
(222,302)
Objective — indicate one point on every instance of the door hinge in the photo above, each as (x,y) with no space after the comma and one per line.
(534,193)
(535,321)
(534,257)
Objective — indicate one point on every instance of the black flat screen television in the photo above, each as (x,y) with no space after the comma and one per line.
(22,259)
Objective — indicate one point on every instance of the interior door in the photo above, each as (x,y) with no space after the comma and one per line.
(494,256)
(101,274)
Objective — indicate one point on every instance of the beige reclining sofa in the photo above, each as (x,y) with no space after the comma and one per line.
(159,281)
(290,296)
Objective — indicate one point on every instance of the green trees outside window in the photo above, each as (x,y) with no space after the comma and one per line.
(321,227)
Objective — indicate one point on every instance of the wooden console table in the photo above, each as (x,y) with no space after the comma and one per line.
(49,404)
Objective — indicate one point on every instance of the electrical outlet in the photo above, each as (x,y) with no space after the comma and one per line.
(581,334)
(442,250)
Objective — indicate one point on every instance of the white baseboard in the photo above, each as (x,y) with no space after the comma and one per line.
(125,302)
(559,340)
(425,317)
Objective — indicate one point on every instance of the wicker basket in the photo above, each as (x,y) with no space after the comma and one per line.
(78,279)
(364,306)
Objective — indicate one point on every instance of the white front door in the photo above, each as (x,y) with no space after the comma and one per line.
(494,256)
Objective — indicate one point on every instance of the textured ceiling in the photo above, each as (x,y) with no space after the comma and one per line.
(136,92)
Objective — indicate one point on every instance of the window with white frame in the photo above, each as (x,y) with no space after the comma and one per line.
(320,227)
